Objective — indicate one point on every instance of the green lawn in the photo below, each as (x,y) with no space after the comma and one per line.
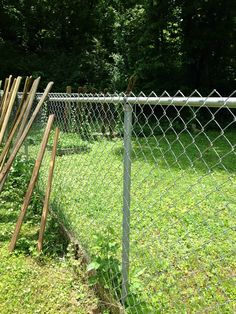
(183,202)
(32,283)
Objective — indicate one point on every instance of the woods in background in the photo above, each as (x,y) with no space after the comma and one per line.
(170,45)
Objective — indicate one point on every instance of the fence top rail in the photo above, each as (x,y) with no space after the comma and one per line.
(210,102)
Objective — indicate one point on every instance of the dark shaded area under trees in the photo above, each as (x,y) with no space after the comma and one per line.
(169,44)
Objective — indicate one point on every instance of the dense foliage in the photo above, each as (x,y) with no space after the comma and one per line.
(171,44)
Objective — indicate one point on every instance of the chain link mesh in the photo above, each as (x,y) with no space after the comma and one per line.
(181,231)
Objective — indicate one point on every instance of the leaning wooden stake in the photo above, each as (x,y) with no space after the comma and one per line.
(17,122)
(48,192)
(5,98)
(7,101)
(32,183)
(9,109)
(23,98)
(27,110)
(5,91)
(18,144)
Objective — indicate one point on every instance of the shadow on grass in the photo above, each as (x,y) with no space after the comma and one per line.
(71,150)
(203,152)
(69,143)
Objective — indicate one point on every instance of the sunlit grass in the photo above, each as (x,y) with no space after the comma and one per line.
(29,282)
(182,212)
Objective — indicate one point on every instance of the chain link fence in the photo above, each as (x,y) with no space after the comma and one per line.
(147,185)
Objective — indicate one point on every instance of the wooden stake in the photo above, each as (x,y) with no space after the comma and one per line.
(22,105)
(6,82)
(32,183)
(5,98)
(23,98)
(17,146)
(6,85)
(9,109)
(68,89)
(17,122)
(48,192)
(27,110)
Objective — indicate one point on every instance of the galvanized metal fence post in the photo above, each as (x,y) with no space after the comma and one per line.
(126,198)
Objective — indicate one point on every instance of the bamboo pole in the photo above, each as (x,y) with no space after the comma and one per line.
(16,124)
(48,192)
(9,109)
(17,146)
(31,185)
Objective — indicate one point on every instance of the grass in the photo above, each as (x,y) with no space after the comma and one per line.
(182,215)
(33,283)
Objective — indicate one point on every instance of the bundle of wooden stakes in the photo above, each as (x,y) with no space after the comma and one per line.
(13,132)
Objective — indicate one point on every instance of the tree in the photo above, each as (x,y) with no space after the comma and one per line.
(101,43)
(208,43)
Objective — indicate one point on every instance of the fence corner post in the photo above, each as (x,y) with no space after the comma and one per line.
(126,198)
